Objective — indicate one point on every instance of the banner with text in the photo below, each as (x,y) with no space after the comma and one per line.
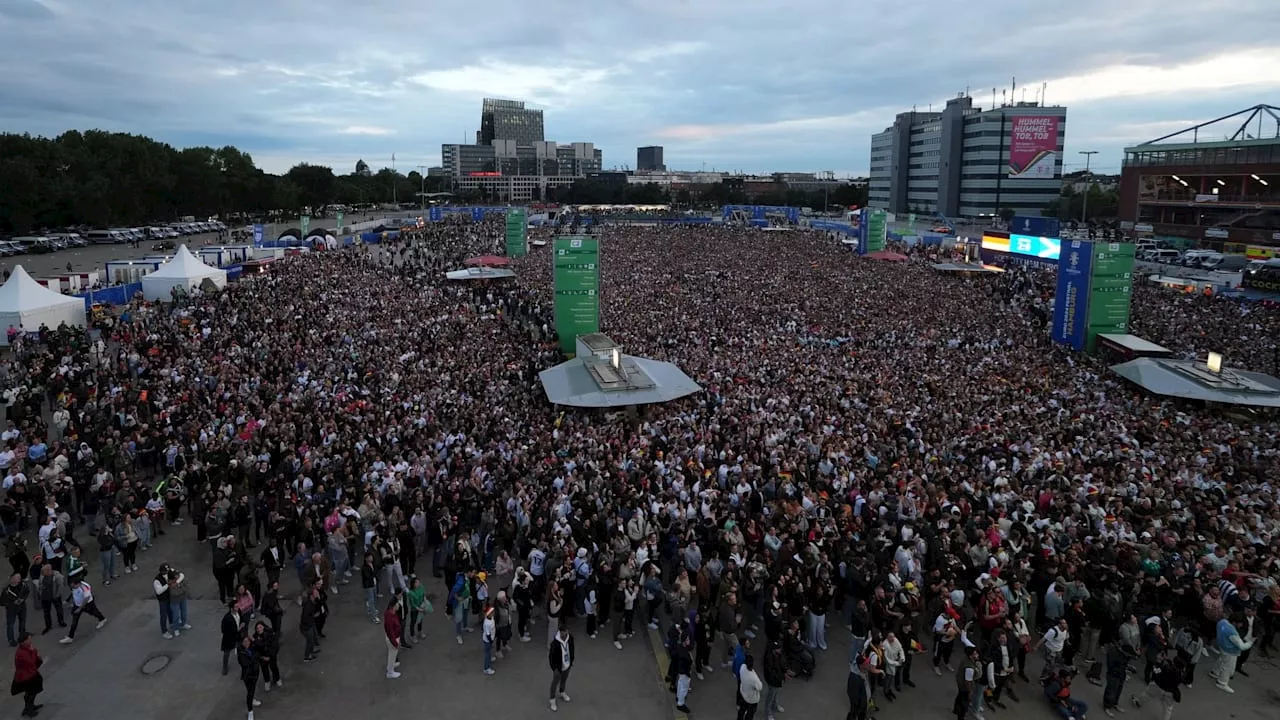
(1033,147)
(1070,304)
(516,228)
(1110,289)
(873,231)
(577,285)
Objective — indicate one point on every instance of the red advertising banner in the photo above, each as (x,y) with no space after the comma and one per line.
(1033,147)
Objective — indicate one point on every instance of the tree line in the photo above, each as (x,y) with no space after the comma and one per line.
(727,192)
(103,179)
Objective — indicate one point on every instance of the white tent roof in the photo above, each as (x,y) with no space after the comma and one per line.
(21,293)
(184,265)
(26,303)
(184,271)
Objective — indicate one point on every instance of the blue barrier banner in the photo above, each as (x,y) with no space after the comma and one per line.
(114,295)
(1071,301)
(234,272)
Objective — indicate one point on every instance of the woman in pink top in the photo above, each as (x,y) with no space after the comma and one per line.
(244,605)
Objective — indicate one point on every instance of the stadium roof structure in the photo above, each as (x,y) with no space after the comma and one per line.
(1194,380)
(601,376)
(1257,125)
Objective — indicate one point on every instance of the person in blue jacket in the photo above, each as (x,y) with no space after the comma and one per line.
(1230,644)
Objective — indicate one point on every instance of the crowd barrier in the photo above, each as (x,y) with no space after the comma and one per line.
(114,295)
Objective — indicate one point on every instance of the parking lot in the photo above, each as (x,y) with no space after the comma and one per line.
(95,257)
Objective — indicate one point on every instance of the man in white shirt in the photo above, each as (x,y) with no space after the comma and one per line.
(1054,642)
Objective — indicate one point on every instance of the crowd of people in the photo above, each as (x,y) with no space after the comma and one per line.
(875,446)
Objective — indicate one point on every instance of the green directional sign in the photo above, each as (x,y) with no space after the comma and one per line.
(877,231)
(1110,289)
(576,261)
(516,229)
(305,222)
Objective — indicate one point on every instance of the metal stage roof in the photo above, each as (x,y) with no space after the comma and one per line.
(1193,380)
(602,376)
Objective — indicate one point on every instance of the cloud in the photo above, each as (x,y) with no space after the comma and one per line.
(537,83)
(1254,68)
(366,130)
(25,10)
(732,83)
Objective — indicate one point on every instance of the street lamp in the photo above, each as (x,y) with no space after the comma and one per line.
(1084,206)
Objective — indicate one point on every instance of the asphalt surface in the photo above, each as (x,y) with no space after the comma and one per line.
(102,673)
(95,257)
(104,668)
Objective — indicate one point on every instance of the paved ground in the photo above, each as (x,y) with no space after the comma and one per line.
(104,668)
(95,257)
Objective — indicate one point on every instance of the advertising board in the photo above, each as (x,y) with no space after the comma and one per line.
(1217,233)
(877,231)
(517,226)
(995,242)
(576,261)
(1036,225)
(1261,252)
(1033,147)
(1070,306)
(1045,248)
(1110,289)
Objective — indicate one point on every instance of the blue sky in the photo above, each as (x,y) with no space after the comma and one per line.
(747,85)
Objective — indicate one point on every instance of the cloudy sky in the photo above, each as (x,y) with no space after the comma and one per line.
(754,85)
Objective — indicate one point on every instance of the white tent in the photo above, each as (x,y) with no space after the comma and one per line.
(183,271)
(26,304)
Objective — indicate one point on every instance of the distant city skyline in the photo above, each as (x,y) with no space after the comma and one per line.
(732,86)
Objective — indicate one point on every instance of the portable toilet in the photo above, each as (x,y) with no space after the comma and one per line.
(214,256)
(70,283)
(121,272)
(54,284)
(90,279)
(233,254)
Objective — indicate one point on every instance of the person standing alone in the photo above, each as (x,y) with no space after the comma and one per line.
(392,626)
(560,655)
(27,680)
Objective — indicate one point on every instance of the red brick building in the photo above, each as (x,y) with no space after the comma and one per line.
(1217,182)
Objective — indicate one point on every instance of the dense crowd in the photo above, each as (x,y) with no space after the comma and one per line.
(876,446)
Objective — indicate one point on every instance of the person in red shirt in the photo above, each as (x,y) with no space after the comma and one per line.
(27,680)
(391,625)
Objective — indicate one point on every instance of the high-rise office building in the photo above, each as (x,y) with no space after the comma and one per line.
(650,158)
(969,162)
(511,161)
(509,120)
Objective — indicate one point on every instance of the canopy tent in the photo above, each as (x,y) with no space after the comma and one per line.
(488,261)
(26,304)
(480,273)
(184,271)
(887,256)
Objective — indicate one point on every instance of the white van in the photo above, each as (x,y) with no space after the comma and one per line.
(1166,256)
(1225,263)
(105,237)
